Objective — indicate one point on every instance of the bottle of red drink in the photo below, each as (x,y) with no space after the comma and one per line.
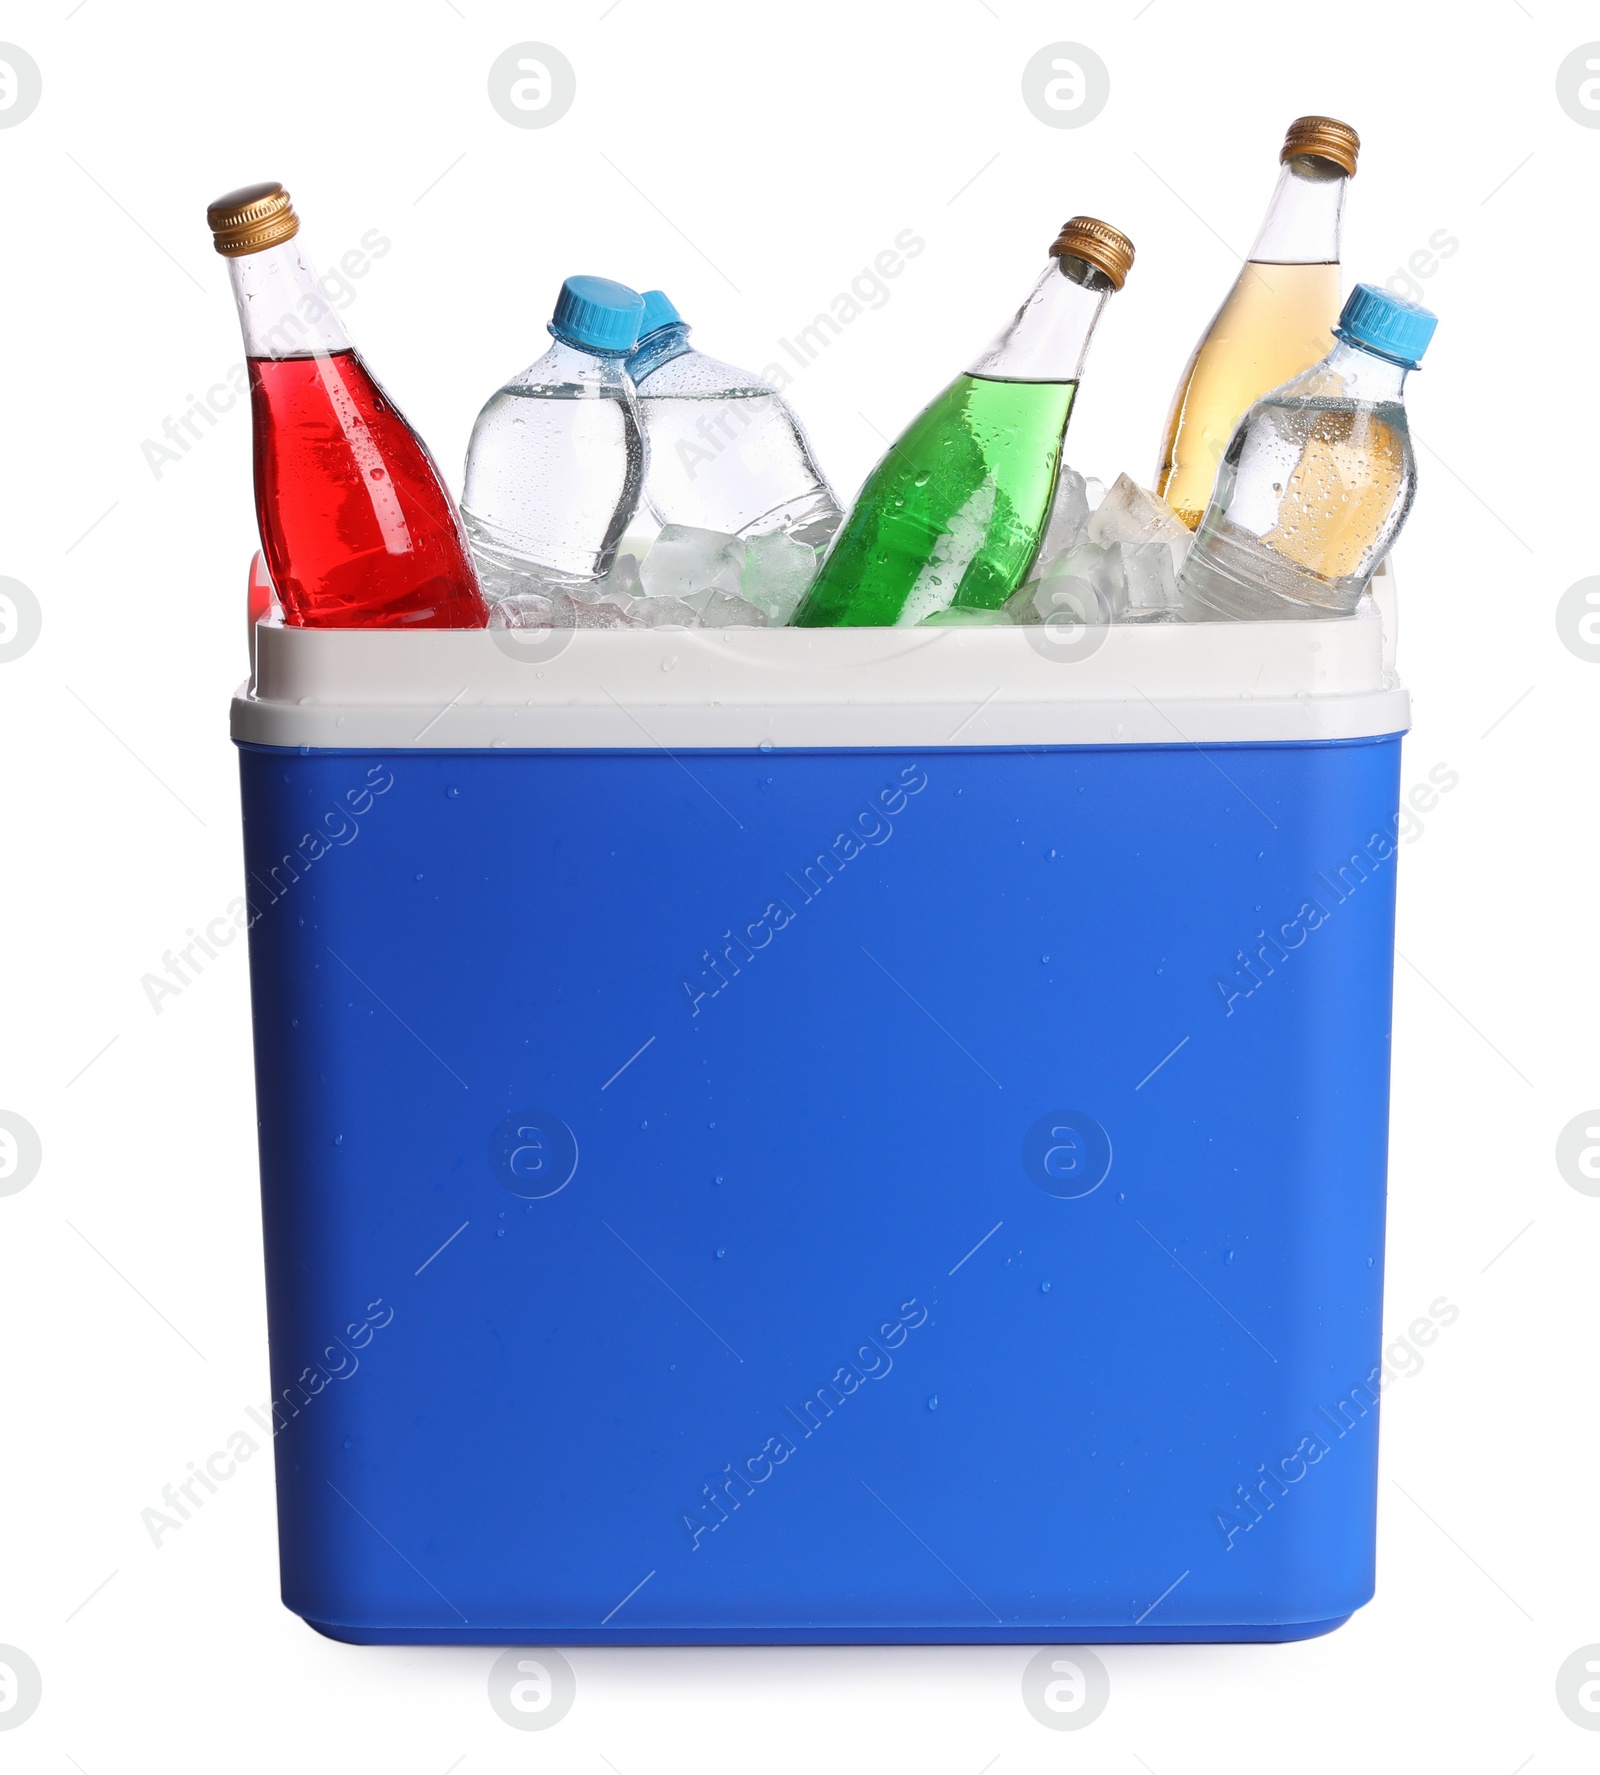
(357,527)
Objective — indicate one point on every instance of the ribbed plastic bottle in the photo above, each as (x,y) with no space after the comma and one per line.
(726,450)
(1317,479)
(357,527)
(1274,322)
(556,462)
(953,515)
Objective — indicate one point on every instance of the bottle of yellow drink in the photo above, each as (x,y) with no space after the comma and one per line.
(1276,319)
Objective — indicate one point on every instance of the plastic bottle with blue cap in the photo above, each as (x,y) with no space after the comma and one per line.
(557,459)
(1317,479)
(726,450)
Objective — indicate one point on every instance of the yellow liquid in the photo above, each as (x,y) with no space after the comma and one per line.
(1276,322)
(1342,489)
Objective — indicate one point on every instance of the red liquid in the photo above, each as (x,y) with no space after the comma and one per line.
(356,525)
(261,592)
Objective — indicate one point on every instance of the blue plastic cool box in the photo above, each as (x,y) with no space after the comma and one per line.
(867,1135)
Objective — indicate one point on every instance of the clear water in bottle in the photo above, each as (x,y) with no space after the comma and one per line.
(1317,479)
(556,464)
(726,450)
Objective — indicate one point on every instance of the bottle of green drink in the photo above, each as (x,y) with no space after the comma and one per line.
(951,518)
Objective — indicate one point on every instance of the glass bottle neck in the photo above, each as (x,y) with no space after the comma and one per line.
(1302,221)
(1048,337)
(282,311)
(660,348)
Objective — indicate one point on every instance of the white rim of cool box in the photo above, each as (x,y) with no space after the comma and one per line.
(638,689)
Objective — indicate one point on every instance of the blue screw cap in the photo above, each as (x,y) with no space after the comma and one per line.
(1387,324)
(598,315)
(659,312)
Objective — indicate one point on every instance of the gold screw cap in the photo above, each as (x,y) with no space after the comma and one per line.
(252,218)
(1325,137)
(1098,244)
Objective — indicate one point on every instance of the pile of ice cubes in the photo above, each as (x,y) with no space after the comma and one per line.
(1108,556)
(688,579)
(1115,560)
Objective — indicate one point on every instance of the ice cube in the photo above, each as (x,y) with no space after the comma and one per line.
(623,579)
(601,614)
(1020,606)
(1129,514)
(587,592)
(526,610)
(686,562)
(727,610)
(1065,599)
(564,610)
(664,613)
(778,572)
(1087,582)
(1151,578)
(1069,511)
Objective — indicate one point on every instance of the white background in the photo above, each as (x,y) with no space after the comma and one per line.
(752,160)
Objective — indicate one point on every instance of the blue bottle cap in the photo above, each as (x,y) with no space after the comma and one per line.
(658,313)
(1386,324)
(598,315)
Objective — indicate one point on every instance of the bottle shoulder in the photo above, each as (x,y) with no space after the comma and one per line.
(691,375)
(1344,379)
(566,373)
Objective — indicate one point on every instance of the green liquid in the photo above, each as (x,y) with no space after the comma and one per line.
(953,515)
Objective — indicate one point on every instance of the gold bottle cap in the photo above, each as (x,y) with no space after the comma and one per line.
(250,219)
(1097,244)
(1325,137)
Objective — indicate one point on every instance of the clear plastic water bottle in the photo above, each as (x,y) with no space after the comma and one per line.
(556,463)
(726,450)
(1317,479)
